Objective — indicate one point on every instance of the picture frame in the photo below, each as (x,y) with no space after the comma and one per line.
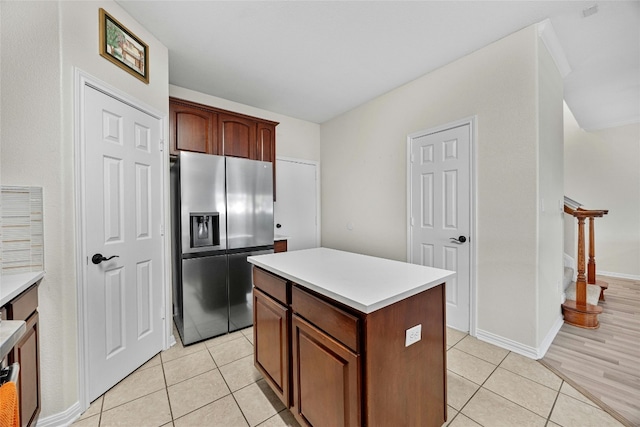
(123,48)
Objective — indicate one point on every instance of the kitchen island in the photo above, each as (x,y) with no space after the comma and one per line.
(351,340)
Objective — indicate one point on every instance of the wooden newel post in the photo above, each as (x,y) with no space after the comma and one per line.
(591,267)
(581,282)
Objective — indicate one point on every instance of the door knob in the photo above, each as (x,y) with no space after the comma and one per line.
(278,225)
(460,240)
(98,258)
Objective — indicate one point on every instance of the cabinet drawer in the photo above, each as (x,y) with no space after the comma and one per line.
(274,286)
(26,303)
(334,321)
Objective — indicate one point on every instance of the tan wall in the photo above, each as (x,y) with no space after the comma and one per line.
(295,138)
(601,172)
(550,195)
(42,42)
(364,173)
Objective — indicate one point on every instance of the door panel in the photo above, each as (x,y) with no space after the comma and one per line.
(113,310)
(296,208)
(441,211)
(144,290)
(122,213)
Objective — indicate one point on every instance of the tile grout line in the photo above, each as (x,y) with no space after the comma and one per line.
(173,420)
(166,389)
(100,414)
(499,395)
(553,406)
(558,392)
(475,392)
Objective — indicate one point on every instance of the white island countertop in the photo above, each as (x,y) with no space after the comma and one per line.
(362,282)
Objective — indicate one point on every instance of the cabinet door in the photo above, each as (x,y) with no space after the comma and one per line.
(238,136)
(192,129)
(326,379)
(26,353)
(271,343)
(266,148)
(266,142)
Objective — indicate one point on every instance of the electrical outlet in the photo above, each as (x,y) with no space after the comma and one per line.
(413,335)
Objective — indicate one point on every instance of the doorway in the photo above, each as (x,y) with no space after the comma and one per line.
(297,208)
(120,181)
(441,212)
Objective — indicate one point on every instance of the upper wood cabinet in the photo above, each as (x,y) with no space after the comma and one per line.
(266,147)
(204,129)
(238,136)
(192,129)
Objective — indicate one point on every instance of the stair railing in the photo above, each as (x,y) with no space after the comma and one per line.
(580,313)
(591,265)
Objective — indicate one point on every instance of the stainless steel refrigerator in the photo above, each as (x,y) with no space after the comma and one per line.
(222,212)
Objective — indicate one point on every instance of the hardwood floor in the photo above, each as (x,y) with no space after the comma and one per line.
(605,363)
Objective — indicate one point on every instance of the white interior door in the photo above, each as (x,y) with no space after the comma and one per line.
(296,206)
(123,217)
(440,209)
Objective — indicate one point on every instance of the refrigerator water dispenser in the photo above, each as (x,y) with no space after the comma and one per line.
(205,229)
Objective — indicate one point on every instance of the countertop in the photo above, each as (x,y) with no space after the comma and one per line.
(12,285)
(362,282)
(10,333)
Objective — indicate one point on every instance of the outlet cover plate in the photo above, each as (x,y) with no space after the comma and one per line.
(413,335)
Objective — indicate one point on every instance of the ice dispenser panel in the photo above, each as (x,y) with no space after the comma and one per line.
(205,229)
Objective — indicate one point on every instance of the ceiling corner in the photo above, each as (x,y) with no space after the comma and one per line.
(548,36)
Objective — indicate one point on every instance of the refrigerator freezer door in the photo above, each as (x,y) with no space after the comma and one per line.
(204,295)
(240,290)
(249,203)
(201,190)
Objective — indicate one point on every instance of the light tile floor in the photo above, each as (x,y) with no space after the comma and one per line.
(214,383)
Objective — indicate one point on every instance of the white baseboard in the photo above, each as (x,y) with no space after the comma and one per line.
(62,419)
(516,347)
(618,275)
(551,335)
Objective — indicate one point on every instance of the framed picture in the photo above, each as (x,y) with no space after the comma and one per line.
(123,48)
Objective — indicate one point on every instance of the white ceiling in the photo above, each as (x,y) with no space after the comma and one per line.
(315,60)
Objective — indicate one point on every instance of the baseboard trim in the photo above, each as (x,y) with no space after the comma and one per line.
(619,275)
(524,350)
(551,335)
(61,419)
(516,347)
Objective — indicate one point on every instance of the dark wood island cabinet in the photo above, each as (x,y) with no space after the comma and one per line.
(335,365)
